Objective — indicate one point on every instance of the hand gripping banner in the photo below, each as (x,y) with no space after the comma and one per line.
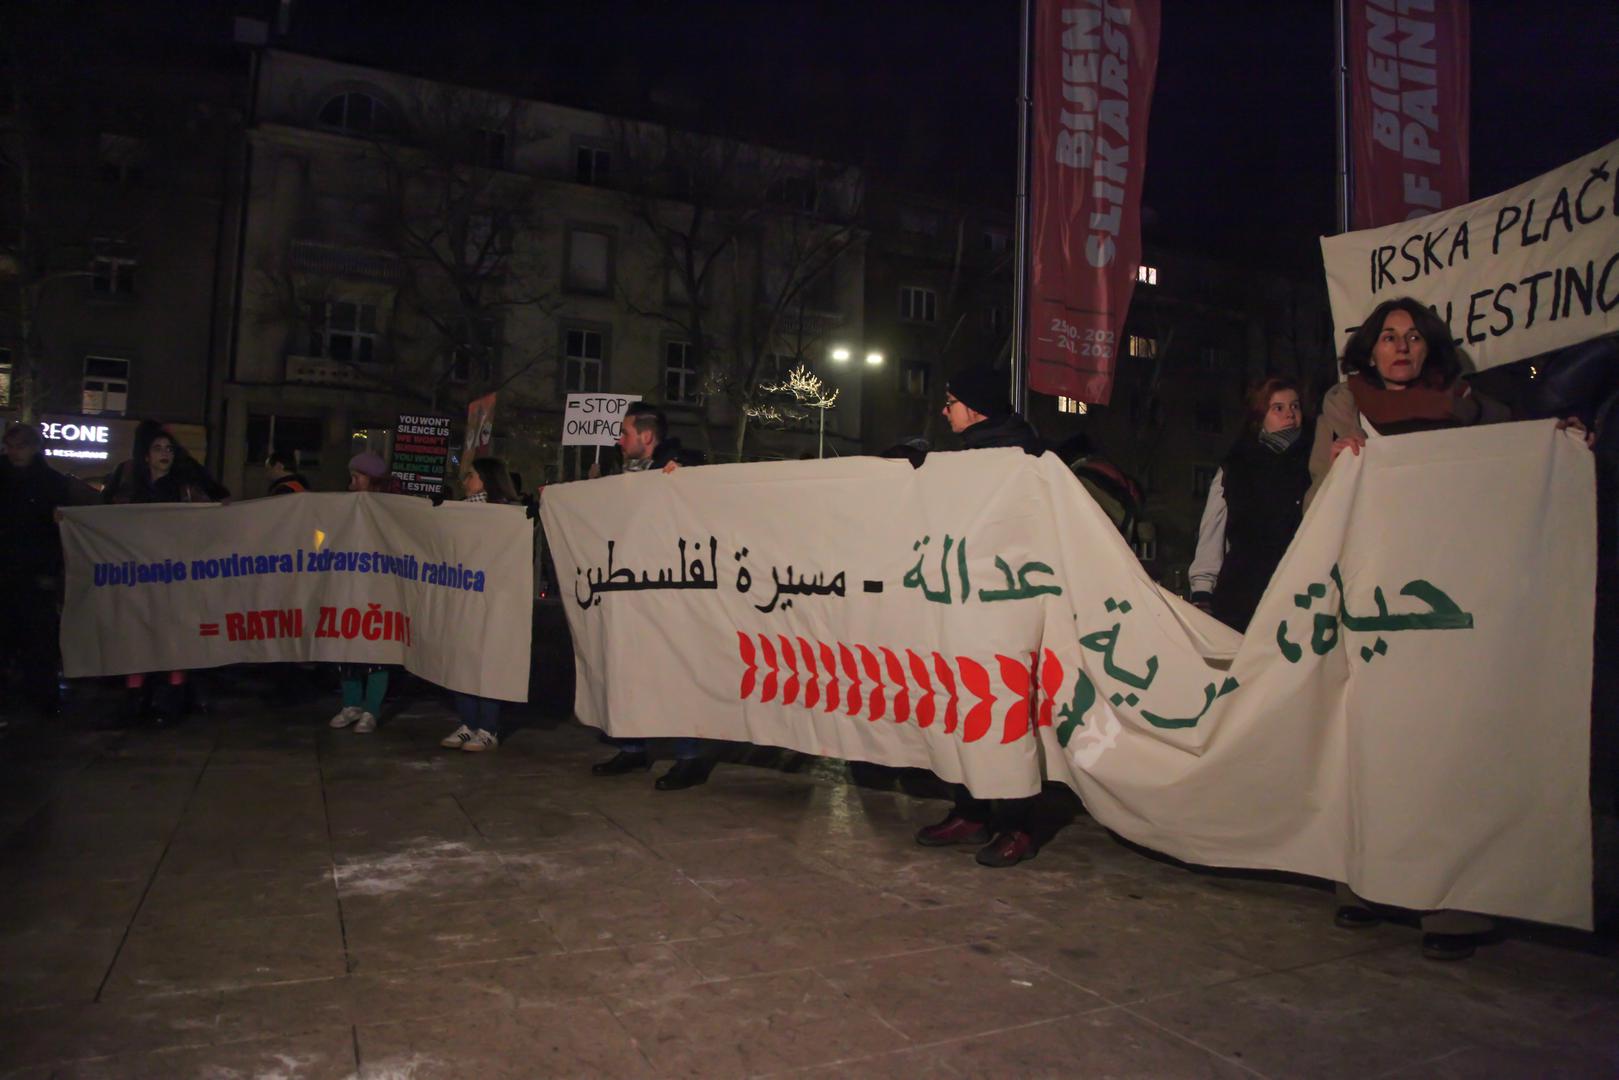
(1409,712)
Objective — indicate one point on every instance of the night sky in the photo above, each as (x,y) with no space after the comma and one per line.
(1240,154)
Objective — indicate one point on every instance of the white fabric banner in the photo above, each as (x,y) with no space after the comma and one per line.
(1410,713)
(445,591)
(1532,269)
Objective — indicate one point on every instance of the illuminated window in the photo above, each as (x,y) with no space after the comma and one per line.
(1072,406)
(1144,348)
(1147,275)
(5,378)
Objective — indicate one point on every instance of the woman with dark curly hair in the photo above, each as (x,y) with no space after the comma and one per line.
(1404,375)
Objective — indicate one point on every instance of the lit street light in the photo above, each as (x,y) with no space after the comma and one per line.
(874,358)
(840,355)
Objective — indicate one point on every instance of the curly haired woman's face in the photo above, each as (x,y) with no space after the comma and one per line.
(1400,351)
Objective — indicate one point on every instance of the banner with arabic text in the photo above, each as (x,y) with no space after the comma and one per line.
(374,579)
(1409,712)
(1093,65)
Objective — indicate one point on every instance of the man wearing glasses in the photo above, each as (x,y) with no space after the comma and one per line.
(978,406)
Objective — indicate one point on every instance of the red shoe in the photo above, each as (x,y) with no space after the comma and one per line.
(954,829)
(1007,849)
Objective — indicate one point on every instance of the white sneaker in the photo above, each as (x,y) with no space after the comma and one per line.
(346,716)
(365,724)
(480,741)
(456,739)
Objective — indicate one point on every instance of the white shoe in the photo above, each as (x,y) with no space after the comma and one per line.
(456,739)
(365,724)
(346,716)
(480,741)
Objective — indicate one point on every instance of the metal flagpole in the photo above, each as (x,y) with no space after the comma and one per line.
(1020,273)
(1341,85)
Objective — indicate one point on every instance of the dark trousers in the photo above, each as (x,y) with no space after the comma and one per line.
(28,636)
(1001,815)
(478,713)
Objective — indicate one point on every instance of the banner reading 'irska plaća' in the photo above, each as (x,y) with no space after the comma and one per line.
(1094,62)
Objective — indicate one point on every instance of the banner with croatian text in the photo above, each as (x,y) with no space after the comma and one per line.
(1532,269)
(376,579)
(1408,108)
(1409,713)
(1094,62)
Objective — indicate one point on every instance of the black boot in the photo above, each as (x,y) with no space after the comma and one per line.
(622,762)
(683,774)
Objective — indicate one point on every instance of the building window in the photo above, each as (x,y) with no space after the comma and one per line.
(5,378)
(1202,480)
(793,193)
(484,243)
(916,378)
(995,319)
(1146,549)
(489,148)
(476,355)
(918,305)
(343,330)
(112,268)
(582,361)
(304,436)
(593,165)
(1147,275)
(1143,348)
(1206,417)
(680,380)
(358,114)
(996,241)
(590,261)
(1211,356)
(122,158)
(1072,406)
(918,222)
(106,385)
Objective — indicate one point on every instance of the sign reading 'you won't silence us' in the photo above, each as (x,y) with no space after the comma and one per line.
(421,454)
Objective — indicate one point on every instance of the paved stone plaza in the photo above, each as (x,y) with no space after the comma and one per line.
(254,895)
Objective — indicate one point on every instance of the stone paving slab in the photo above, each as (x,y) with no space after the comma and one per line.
(253,894)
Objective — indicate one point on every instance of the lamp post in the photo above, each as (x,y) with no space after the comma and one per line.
(842,354)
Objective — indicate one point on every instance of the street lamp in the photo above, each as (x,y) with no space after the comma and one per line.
(874,358)
(840,355)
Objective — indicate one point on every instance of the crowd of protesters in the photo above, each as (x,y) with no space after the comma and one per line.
(1402,374)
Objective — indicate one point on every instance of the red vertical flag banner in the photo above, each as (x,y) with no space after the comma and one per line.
(1408,115)
(1094,62)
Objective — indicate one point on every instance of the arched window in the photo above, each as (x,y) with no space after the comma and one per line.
(359,114)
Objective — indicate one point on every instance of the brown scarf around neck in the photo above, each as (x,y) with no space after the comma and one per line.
(1423,402)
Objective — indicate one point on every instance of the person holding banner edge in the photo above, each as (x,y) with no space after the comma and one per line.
(364,685)
(1403,375)
(978,407)
(645,442)
(489,481)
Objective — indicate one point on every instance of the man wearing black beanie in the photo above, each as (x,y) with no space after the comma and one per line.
(978,405)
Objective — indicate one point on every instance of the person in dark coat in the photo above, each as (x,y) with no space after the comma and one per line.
(648,447)
(1254,506)
(31,492)
(159,470)
(978,407)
